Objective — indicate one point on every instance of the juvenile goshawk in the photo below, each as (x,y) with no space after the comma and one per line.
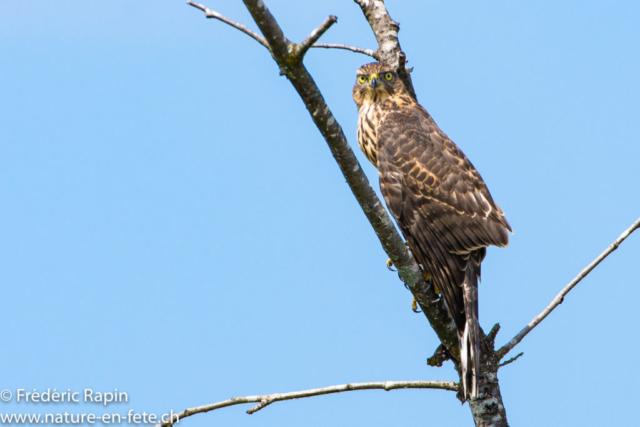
(437,197)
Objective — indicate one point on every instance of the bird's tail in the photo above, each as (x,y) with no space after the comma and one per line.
(470,339)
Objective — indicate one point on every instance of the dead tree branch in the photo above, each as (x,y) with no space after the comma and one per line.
(560,297)
(303,47)
(368,52)
(213,14)
(267,399)
(513,359)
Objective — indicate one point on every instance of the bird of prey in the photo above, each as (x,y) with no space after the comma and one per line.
(439,200)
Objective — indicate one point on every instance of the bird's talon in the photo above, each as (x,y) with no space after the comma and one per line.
(414,306)
(390,265)
(429,281)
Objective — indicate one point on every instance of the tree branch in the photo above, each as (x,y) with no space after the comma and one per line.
(213,14)
(281,48)
(513,359)
(560,297)
(309,42)
(267,399)
(303,47)
(368,52)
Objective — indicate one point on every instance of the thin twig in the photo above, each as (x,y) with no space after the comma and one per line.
(213,14)
(368,52)
(314,36)
(513,359)
(560,297)
(268,399)
(493,332)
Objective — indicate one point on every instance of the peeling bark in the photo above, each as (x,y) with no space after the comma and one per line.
(488,409)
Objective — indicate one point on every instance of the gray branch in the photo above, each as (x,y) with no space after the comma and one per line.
(513,359)
(267,399)
(303,47)
(560,297)
(368,52)
(213,14)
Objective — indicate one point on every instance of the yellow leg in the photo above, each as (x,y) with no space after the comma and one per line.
(427,277)
(435,288)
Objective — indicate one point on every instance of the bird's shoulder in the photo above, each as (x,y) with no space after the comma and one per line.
(410,140)
(425,164)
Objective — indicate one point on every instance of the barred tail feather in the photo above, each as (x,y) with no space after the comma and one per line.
(470,339)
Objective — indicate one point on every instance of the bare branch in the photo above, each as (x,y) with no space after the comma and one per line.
(493,332)
(560,297)
(440,356)
(213,14)
(268,399)
(368,52)
(303,47)
(513,359)
(281,48)
(385,385)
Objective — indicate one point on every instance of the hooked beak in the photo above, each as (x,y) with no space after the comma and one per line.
(374,81)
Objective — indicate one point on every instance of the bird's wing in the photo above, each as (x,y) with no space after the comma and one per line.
(439,200)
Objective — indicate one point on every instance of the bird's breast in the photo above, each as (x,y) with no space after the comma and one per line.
(369,115)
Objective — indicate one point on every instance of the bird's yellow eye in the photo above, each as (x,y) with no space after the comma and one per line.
(388,76)
(362,78)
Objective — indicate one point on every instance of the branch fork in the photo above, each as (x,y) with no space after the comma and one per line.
(296,52)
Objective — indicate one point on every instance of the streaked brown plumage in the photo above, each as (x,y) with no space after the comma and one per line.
(437,197)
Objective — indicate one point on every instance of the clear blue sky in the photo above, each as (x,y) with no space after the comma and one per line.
(174,226)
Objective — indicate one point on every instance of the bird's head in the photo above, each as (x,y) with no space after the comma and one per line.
(376,82)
